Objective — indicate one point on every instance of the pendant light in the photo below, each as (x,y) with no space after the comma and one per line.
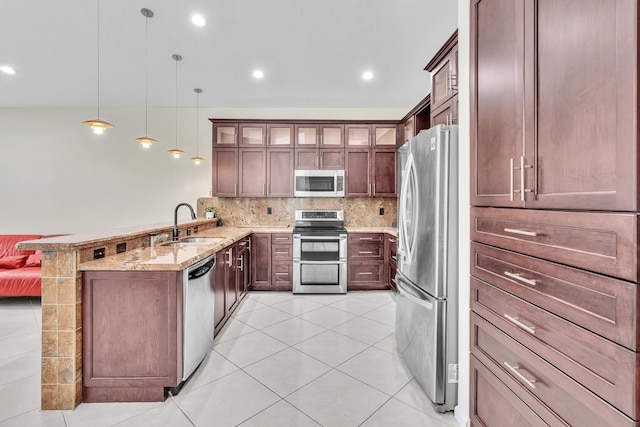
(98,126)
(197,159)
(145,140)
(176,152)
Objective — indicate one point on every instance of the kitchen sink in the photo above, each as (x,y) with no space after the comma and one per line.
(202,240)
(194,241)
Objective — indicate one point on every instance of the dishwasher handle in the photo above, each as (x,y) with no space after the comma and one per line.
(201,268)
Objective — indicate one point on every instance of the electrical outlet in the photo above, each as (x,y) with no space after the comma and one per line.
(188,231)
(269,211)
(381,211)
(98,253)
(121,247)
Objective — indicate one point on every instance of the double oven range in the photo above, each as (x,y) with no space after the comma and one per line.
(319,252)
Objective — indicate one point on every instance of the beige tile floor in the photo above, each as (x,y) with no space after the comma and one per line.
(282,360)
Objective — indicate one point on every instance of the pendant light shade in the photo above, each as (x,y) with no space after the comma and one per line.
(98,126)
(176,152)
(197,159)
(145,140)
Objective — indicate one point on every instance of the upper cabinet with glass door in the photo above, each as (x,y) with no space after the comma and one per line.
(319,135)
(280,135)
(225,135)
(252,135)
(378,135)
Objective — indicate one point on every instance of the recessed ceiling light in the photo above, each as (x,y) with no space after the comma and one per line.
(258,74)
(198,20)
(7,69)
(367,75)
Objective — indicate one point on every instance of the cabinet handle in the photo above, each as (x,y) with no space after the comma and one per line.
(516,370)
(366,273)
(320,162)
(511,179)
(235,189)
(366,238)
(374,189)
(521,232)
(229,260)
(530,282)
(365,252)
(516,321)
(281,238)
(523,166)
(241,261)
(282,252)
(392,240)
(281,274)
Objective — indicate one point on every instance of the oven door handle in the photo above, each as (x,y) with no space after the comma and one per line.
(340,261)
(340,237)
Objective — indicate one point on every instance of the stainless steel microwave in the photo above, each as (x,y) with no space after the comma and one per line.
(319,183)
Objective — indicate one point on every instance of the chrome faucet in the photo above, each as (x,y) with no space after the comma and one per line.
(175,218)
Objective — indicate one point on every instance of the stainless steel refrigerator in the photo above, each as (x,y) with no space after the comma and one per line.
(427,277)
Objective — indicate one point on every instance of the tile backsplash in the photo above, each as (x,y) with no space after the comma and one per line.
(358,212)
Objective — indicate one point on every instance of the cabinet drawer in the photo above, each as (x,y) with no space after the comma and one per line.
(600,242)
(571,402)
(281,239)
(282,273)
(365,238)
(601,304)
(493,404)
(366,274)
(605,368)
(366,250)
(281,252)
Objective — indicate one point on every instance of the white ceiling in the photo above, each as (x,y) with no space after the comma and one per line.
(313,52)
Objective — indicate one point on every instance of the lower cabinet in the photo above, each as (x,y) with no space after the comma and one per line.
(131,351)
(232,279)
(365,268)
(272,262)
(390,261)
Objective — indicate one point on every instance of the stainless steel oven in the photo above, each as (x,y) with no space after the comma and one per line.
(319,252)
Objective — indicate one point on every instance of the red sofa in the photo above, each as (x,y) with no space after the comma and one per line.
(20,271)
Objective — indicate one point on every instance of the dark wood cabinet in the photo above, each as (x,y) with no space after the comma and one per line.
(358,172)
(444,83)
(252,165)
(365,260)
(260,260)
(225,135)
(279,172)
(419,118)
(280,135)
(243,260)
(319,158)
(225,172)
(220,311)
(384,172)
(537,141)
(252,135)
(555,313)
(131,351)
(390,261)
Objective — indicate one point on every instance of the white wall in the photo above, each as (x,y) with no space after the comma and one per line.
(464,165)
(58,177)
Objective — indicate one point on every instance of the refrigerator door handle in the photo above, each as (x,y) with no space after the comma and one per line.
(408,241)
(405,291)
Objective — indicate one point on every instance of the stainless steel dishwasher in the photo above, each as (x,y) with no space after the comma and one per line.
(198,322)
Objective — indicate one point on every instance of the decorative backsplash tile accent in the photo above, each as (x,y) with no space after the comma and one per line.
(358,212)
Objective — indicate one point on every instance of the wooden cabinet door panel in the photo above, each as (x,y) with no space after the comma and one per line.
(225,135)
(331,158)
(252,172)
(384,173)
(599,303)
(261,259)
(281,252)
(600,242)
(446,114)
(280,173)
(306,158)
(252,135)
(225,172)
(585,140)
(220,290)
(282,279)
(115,354)
(358,173)
(280,135)
(497,127)
(493,404)
(605,368)
(282,239)
(569,400)
(231,264)
(365,275)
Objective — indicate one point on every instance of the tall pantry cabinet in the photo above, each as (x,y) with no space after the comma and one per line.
(554,221)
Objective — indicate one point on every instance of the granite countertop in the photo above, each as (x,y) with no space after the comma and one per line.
(160,257)
(171,258)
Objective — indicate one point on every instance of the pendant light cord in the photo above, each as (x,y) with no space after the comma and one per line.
(146,75)
(197,127)
(176,58)
(98,84)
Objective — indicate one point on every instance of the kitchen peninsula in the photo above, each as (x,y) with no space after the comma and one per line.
(64,316)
